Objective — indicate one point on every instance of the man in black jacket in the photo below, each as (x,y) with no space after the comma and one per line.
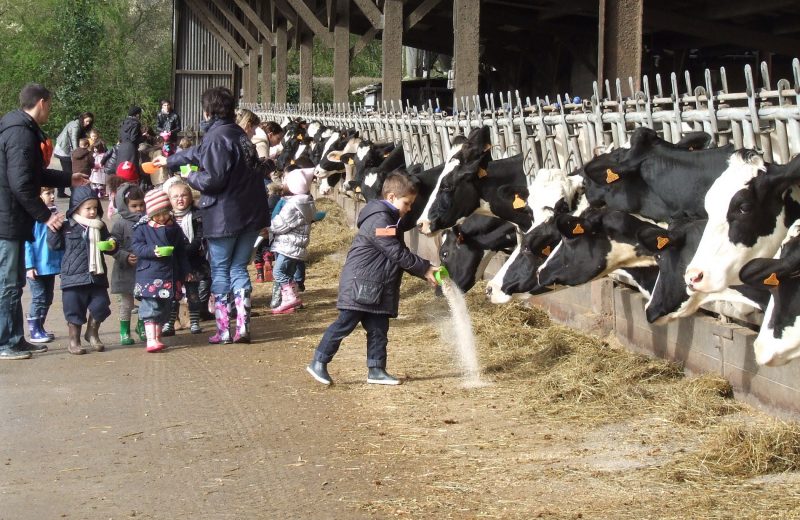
(25,152)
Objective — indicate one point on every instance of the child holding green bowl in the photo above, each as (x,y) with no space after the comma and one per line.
(85,240)
(161,265)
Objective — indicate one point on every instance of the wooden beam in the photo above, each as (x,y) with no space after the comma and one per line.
(252,77)
(234,21)
(266,72)
(392,51)
(720,32)
(362,42)
(371,11)
(281,74)
(311,20)
(419,13)
(306,46)
(466,47)
(253,18)
(234,51)
(341,53)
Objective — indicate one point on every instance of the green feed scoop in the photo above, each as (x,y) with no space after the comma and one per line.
(440,274)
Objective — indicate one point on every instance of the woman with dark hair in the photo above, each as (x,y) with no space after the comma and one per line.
(67,142)
(233,204)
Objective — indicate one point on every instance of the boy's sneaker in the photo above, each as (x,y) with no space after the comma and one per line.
(195,328)
(379,376)
(168,329)
(319,371)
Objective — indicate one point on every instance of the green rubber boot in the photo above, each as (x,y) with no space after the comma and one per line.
(125,333)
(140,330)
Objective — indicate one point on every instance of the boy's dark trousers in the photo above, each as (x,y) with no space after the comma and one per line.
(377,327)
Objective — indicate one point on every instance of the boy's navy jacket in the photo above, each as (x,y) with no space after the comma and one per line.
(123,277)
(38,254)
(156,276)
(233,195)
(22,174)
(370,280)
(74,241)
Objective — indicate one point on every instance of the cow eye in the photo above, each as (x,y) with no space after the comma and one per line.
(444,254)
(745,207)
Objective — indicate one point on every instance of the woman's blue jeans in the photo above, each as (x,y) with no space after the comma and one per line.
(229,259)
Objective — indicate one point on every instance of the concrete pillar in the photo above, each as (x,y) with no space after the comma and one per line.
(619,34)
(341,53)
(281,62)
(266,72)
(306,67)
(251,95)
(392,50)
(466,47)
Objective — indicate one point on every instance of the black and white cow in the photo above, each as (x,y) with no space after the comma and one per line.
(593,245)
(655,178)
(334,158)
(672,249)
(369,182)
(750,208)
(778,341)
(468,247)
(471,182)
(552,192)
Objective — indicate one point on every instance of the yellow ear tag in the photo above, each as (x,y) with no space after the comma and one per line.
(291,162)
(300,137)
(578,230)
(351,161)
(662,242)
(611,176)
(385,155)
(487,147)
(358,189)
(482,173)
(772,280)
(547,250)
(518,202)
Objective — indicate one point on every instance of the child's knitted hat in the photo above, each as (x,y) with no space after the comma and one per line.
(156,201)
(298,181)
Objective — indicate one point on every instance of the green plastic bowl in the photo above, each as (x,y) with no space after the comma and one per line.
(440,274)
(105,245)
(165,250)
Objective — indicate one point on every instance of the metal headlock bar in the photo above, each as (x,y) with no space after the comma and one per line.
(565,132)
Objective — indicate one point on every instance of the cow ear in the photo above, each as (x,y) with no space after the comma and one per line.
(608,168)
(781,177)
(654,239)
(763,273)
(571,227)
(694,141)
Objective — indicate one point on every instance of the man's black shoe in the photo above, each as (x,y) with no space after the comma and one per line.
(25,346)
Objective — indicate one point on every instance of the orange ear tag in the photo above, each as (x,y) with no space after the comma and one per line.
(518,203)
(385,232)
(385,155)
(578,230)
(351,161)
(487,147)
(547,250)
(611,176)
(299,137)
(662,242)
(772,280)
(482,173)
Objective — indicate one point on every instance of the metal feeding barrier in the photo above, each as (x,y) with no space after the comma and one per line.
(564,132)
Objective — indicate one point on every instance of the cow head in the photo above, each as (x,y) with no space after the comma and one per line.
(672,249)
(518,275)
(747,210)
(295,146)
(457,194)
(592,246)
(467,248)
(778,341)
